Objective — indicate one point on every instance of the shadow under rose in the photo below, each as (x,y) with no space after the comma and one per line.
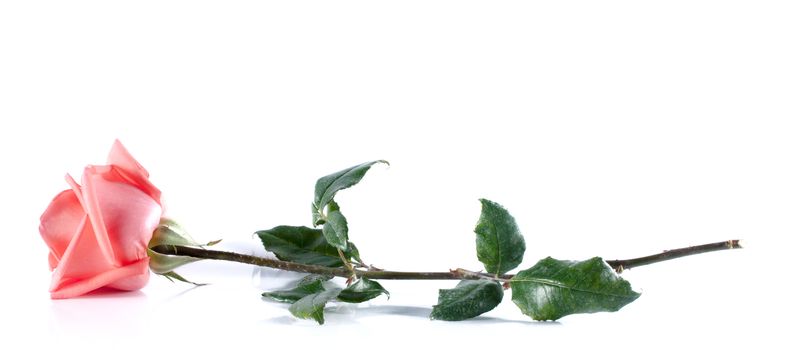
(107,293)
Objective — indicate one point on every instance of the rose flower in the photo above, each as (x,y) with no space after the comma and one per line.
(98,232)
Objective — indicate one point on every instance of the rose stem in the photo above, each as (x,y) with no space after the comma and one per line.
(458,274)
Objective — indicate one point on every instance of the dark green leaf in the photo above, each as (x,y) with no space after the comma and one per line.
(335,227)
(499,244)
(352,252)
(313,277)
(328,186)
(302,245)
(361,291)
(467,300)
(295,294)
(552,289)
(311,306)
(317,216)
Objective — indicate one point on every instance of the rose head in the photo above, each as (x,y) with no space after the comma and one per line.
(98,232)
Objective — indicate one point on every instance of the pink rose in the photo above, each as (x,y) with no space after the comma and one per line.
(98,233)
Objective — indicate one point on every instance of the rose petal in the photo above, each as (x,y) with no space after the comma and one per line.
(132,171)
(123,216)
(77,189)
(91,205)
(120,156)
(129,277)
(60,222)
(82,259)
(53,261)
(136,280)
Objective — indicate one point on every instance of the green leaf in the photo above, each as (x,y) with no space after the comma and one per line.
(311,306)
(328,186)
(552,289)
(317,216)
(170,232)
(303,245)
(362,290)
(174,276)
(162,264)
(314,277)
(499,244)
(335,227)
(309,285)
(213,243)
(467,300)
(352,252)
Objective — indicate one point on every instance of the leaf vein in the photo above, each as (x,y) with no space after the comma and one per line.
(542,281)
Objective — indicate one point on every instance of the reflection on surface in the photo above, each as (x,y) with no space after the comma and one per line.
(377,310)
(99,314)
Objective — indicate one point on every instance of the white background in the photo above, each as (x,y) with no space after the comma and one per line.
(611,128)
